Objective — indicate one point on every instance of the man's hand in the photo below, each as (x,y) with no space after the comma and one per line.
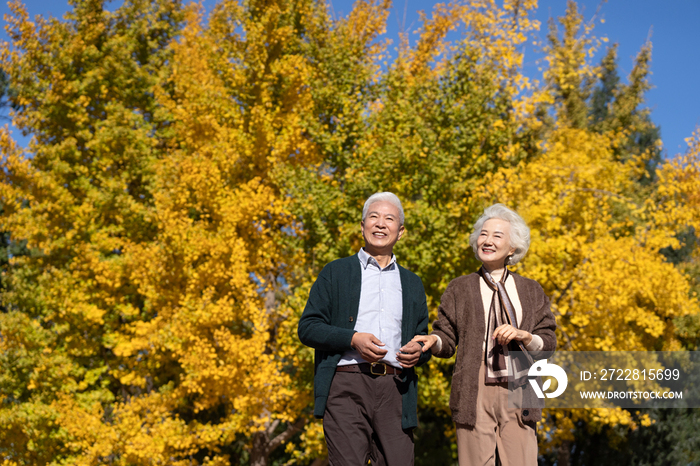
(505,333)
(368,346)
(409,354)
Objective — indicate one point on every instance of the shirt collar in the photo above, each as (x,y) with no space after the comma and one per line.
(366,259)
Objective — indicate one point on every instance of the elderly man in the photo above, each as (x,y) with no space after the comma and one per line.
(361,315)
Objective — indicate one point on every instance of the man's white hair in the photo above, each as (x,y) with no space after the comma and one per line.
(383,197)
(519,231)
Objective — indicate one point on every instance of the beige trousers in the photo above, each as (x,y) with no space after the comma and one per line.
(496,426)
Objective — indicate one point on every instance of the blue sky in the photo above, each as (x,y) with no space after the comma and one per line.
(672,26)
(675,67)
(675,36)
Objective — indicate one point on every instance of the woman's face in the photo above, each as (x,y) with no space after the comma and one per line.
(493,243)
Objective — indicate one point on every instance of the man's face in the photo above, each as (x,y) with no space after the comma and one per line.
(381,228)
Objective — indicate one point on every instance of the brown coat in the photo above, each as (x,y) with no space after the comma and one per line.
(461,326)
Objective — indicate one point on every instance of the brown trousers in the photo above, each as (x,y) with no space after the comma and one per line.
(497,425)
(362,421)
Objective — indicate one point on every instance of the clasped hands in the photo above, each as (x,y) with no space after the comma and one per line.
(370,348)
(503,334)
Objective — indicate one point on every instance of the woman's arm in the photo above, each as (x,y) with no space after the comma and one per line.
(445,336)
(541,336)
(545,324)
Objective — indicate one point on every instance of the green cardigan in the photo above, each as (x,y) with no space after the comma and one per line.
(328,323)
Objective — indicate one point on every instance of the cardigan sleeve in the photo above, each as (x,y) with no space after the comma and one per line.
(545,324)
(422,327)
(316,327)
(445,327)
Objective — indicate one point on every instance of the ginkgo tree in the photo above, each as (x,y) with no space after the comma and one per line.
(72,203)
(142,320)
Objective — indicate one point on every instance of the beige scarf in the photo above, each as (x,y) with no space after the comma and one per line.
(509,363)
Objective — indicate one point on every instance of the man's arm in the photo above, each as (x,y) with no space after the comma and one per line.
(315,325)
(412,354)
(422,329)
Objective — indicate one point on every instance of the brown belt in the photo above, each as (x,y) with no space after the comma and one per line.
(375,368)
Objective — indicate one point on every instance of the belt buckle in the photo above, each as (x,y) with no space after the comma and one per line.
(377,364)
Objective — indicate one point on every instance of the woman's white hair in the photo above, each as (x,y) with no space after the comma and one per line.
(519,231)
(383,197)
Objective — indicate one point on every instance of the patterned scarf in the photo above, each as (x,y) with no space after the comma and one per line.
(509,363)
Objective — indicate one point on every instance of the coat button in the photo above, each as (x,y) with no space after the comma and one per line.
(351,318)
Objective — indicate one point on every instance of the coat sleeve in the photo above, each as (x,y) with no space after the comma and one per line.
(316,327)
(545,324)
(422,326)
(445,326)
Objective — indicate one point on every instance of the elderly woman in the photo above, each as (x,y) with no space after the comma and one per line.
(485,316)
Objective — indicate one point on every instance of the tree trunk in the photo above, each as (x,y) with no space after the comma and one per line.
(564,457)
(259,453)
(264,443)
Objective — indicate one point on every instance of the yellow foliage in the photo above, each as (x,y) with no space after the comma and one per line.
(172,288)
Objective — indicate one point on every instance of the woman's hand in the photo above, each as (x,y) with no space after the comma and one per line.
(428,341)
(506,333)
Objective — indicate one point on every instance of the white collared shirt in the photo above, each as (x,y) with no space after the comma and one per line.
(381,308)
